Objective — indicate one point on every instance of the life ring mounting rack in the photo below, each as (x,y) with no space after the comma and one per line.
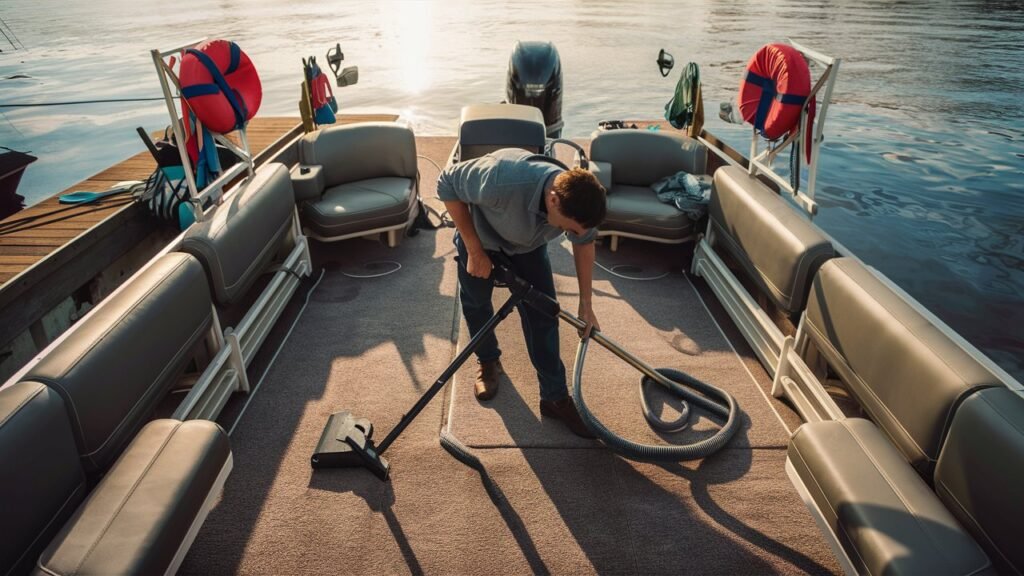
(811,126)
(202,200)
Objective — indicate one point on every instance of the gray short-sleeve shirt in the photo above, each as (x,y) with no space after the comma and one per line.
(503,190)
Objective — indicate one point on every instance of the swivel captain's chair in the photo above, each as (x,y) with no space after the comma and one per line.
(357,180)
(627,162)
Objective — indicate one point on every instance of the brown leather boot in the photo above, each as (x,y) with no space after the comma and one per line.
(487,378)
(565,410)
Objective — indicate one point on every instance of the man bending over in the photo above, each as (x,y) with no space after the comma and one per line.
(517,202)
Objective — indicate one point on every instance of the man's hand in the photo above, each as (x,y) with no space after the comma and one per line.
(479,264)
(586,313)
(583,255)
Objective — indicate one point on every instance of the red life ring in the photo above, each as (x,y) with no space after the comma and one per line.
(220,85)
(774,89)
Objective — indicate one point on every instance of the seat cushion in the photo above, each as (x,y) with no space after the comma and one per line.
(637,210)
(882,512)
(774,243)
(642,157)
(360,206)
(906,374)
(485,128)
(980,474)
(121,360)
(137,518)
(241,237)
(41,481)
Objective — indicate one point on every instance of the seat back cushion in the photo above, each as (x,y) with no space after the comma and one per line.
(242,235)
(360,151)
(774,243)
(642,157)
(40,478)
(123,358)
(908,375)
(486,128)
(981,471)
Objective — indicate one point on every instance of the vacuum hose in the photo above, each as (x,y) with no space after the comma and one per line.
(671,380)
(713,399)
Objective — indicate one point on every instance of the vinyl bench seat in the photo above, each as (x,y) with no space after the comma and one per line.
(140,518)
(908,375)
(881,511)
(939,417)
(145,513)
(121,360)
(775,244)
(238,240)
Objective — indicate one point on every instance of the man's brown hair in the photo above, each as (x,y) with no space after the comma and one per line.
(581,197)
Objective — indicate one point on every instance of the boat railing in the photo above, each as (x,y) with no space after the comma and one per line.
(759,162)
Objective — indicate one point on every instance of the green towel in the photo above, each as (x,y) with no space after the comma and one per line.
(685,109)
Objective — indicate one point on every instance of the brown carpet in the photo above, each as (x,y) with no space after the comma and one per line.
(373,345)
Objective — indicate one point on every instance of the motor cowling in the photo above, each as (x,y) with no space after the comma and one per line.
(535,79)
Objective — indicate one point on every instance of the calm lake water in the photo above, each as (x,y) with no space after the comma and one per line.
(922,173)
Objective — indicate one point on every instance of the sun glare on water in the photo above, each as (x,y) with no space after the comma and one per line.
(408,28)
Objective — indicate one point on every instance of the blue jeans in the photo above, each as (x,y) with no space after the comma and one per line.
(540,330)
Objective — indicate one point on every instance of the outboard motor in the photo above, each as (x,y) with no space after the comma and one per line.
(535,79)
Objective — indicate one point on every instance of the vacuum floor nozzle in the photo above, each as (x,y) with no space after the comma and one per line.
(346,443)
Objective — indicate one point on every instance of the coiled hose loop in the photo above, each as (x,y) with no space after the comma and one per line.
(672,380)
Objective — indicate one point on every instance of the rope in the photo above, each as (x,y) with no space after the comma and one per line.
(16,41)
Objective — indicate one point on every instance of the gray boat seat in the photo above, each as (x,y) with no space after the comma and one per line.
(885,517)
(486,128)
(139,519)
(39,493)
(904,371)
(361,179)
(627,162)
(122,359)
(980,473)
(240,237)
(775,244)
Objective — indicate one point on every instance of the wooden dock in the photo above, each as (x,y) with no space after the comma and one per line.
(50,250)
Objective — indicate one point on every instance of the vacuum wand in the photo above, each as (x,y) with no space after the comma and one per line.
(464,355)
(347,441)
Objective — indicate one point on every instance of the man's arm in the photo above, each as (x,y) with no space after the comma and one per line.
(583,255)
(454,187)
(479,264)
